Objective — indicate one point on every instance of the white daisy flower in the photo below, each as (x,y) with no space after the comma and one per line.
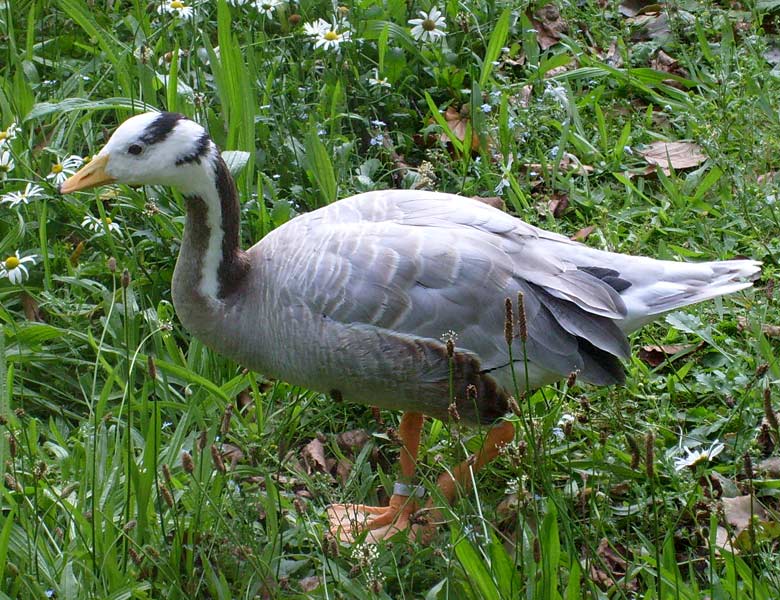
(429,27)
(8,134)
(6,164)
(60,171)
(267,7)
(95,225)
(177,8)
(14,267)
(30,192)
(316,28)
(375,81)
(328,36)
(694,457)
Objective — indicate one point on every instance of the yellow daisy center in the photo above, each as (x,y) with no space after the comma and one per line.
(56,168)
(429,25)
(11,262)
(331,36)
(108,221)
(3,135)
(177,4)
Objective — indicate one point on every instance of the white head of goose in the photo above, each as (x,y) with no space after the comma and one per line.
(359,299)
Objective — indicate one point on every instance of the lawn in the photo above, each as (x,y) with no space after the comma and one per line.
(139,464)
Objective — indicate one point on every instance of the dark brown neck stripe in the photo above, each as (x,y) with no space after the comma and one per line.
(234,265)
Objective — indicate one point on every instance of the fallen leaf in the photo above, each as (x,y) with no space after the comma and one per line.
(314,456)
(744,513)
(632,8)
(767,329)
(343,469)
(673,155)
(309,584)
(458,121)
(612,566)
(650,27)
(31,309)
(664,63)
(232,453)
(549,26)
(583,233)
(655,355)
(555,71)
(558,205)
(244,400)
(661,61)
(353,440)
(770,466)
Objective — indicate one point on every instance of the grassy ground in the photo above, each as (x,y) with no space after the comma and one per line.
(138,464)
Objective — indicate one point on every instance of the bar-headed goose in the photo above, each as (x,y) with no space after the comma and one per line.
(360,298)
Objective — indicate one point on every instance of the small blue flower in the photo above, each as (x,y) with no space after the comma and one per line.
(377,140)
(486,108)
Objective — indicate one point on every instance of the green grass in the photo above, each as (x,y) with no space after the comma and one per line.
(102,393)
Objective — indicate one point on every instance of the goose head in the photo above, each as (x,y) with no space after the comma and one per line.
(149,149)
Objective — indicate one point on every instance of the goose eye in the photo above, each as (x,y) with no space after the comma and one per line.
(135,149)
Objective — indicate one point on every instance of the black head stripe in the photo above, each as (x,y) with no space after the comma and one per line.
(201,150)
(161,127)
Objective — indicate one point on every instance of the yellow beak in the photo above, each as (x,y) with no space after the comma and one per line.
(90,175)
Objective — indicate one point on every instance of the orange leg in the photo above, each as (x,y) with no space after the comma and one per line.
(347,521)
(460,478)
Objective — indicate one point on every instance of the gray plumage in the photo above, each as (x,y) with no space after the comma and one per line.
(359,297)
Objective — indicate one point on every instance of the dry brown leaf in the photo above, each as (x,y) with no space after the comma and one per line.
(612,566)
(583,233)
(458,121)
(744,513)
(314,456)
(650,27)
(352,440)
(31,309)
(666,64)
(673,155)
(343,469)
(655,355)
(632,8)
(555,71)
(558,205)
(244,400)
(232,453)
(663,62)
(767,329)
(309,584)
(770,467)
(549,26)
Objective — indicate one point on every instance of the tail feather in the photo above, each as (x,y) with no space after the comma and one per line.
(660,286)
